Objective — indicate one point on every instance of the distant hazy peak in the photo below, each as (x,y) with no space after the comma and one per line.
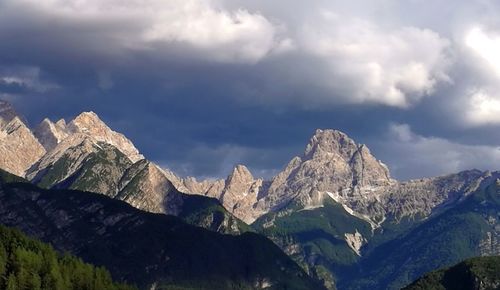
(50,134)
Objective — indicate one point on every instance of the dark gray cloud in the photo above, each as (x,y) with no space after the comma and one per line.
(201,85)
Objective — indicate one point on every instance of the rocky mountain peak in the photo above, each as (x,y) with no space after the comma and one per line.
(241,192)
(330,142)
(332,163)
(240,174)
(89,123)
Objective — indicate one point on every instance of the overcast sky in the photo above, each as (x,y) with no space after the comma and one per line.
(201,85)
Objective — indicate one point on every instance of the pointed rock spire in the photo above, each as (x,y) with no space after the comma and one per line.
(241,192)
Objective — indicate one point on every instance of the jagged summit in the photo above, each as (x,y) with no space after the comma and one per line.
(52,134)
(241,192)
(332,163)
(330,141)
(241,173)
(89,123)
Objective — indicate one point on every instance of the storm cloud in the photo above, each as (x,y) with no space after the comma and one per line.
(201,85)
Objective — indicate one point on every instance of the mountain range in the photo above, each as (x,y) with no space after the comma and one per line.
(334,208)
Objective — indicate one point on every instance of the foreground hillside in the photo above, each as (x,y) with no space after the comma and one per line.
(477,273)
(147,249)
(27,264)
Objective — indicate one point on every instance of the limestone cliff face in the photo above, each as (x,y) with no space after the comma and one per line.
(19,149)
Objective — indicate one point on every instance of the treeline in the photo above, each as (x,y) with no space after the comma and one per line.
(28,264)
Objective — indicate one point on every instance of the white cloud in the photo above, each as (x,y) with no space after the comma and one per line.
(475,100)
(228,36)
(410,154)
(485,46)
(368,63)
(483,109)
(27,77)
(201,26)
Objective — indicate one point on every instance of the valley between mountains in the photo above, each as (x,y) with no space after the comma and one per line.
(333,218)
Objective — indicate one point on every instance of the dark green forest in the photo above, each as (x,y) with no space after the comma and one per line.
(476,273)
(28,264)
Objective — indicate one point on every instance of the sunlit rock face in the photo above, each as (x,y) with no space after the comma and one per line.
(19,149)
(90,124)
